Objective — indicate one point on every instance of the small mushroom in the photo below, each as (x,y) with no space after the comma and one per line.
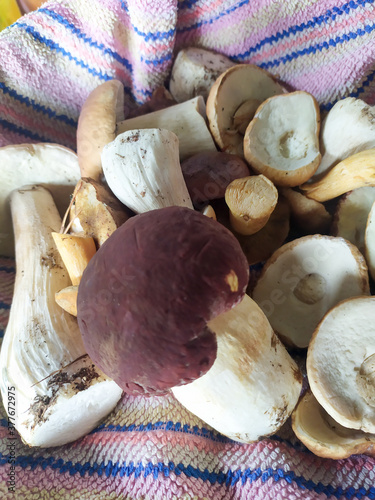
(143,170)
(354,172)
(194,71)
(233,98)
(50,165)
(351,215)
(101,111)
(187,120)
(370,241)
(341,363)
(282,140)
(325,437)
(251,201)
(146,296)
(348,128)
(303,279)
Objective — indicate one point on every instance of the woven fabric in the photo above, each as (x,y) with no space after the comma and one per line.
(152,448)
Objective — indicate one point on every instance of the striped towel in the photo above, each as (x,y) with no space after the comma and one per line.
(152,448)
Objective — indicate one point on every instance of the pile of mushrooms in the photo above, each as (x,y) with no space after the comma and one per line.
(170,206)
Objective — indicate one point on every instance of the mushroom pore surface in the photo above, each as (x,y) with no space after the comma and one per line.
(146,297)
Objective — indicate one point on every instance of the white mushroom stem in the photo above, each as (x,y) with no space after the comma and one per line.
(59,394)
(253,385)
(186,120)
(142,169)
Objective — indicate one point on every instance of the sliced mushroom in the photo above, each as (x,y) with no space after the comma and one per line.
(303,279)
(370,241)
(51,165)
(310,216)
(325,437)
(187,120)
(251,201)
(348,128)
(103,108)
(282,141)
(253,385)
(351,215)
(352,173)
(233,98)
(341,363)
(194,71)
(143,170)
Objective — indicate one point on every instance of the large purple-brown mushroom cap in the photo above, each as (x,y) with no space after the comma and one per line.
(146,297)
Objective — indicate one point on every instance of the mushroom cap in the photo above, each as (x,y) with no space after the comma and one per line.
(341,366)
(282,140)
(370,241)
(101,111)
(324,436)
(306,277)
(238,84)
(146,296)
(50,165)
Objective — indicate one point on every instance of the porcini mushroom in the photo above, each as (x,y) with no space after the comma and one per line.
(370,241)
(251,201)
(325,437)
(303,279)
(60,394)
(194,71)
(243,85)
(342,378)
(54,166)
(146,297)
(143,170)
(101,111)
(282,140)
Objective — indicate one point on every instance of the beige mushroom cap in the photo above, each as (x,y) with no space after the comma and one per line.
(103,108)
(232,89)
(324,436)
(306,277)
(341,363)
(282,141)
(370,241)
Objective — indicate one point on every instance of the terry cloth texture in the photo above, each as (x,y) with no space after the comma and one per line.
(152,448)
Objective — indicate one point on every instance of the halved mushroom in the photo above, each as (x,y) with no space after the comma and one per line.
(103,108)
(282,141)
(194,71)
(351,215)
(325,437)
(341,363)
(251,201)
(370,241)
(50,165)
(303,279)
(348,128)
(352,173)
(233,100)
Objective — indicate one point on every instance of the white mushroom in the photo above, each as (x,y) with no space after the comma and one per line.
(370,241)
(233,100)
(253,385)
(60,394)
(54,166)
(348,128)
(303,279)
(194,71)
(341,363)
(142,169)
(282,140)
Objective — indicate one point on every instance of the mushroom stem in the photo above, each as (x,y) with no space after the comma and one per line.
(186,120)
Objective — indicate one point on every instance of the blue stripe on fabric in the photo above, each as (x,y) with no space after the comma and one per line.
(124,6)
(212,20)
(229,478)
(56,47)
(158,36)
(22,131)
(3,305)
(156,62)
(7,269)
(187,4)
(37,107)
(1,336)
(330,15)
(92,43)
(319,47)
